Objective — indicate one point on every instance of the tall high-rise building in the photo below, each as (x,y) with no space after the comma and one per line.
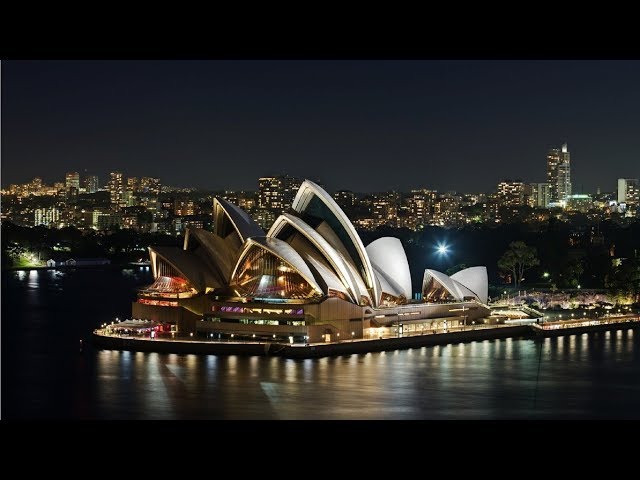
(628,190)
(270,193)
(277,192)
(116,190)
(91,183)
(559,173)
(72,186)
(419,203)
(540,195)
(72,180)
(629,193)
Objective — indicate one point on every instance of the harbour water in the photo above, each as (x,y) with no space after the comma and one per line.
(45,314)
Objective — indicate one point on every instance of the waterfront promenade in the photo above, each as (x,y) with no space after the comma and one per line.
(215,347)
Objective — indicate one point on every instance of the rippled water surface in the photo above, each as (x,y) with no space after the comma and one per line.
(45,313)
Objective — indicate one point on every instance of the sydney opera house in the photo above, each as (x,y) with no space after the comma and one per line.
(308,279)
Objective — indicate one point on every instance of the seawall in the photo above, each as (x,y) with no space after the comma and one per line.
(305,351)
(347,347)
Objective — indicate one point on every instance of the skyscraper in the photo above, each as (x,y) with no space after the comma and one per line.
(540,195)
(116,190)
(629,193)
(72,180)
(72,186)
(559,173)
(91,183)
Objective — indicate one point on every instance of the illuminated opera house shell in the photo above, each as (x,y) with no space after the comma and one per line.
(309,254)
(470,283)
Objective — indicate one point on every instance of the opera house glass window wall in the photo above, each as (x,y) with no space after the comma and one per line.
(262,274)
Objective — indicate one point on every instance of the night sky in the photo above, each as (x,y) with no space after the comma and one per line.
(359,125)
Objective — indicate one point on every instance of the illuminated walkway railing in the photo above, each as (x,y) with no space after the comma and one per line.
(585,322)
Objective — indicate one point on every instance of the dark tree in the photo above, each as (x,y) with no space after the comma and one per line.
(517,259)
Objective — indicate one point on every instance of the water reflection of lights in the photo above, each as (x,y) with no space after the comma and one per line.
(290,367)
(212,360)
(509,349)
(253,366)
(126,361)
(21,274)
(233,361)
(33,279)
(191,361)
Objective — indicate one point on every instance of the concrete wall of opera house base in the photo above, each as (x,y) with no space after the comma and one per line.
(328,320)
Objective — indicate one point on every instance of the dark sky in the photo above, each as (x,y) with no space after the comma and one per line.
(360,125)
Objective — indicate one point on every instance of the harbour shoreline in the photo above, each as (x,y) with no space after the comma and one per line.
(358,346)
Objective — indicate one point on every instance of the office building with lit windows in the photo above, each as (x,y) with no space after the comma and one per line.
(308,278)
(276,193)
(72,180)
(116,191)
(511,193)
(629,194)
(539,195)
(91,183)
(559,174)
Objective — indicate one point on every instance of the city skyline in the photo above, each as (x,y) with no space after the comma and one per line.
(493,120)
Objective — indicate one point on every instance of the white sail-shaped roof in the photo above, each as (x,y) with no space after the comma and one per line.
(476,280)
(387,255)
(351,280)
(456,289)
(314,201)
(329,278)
(387,284)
